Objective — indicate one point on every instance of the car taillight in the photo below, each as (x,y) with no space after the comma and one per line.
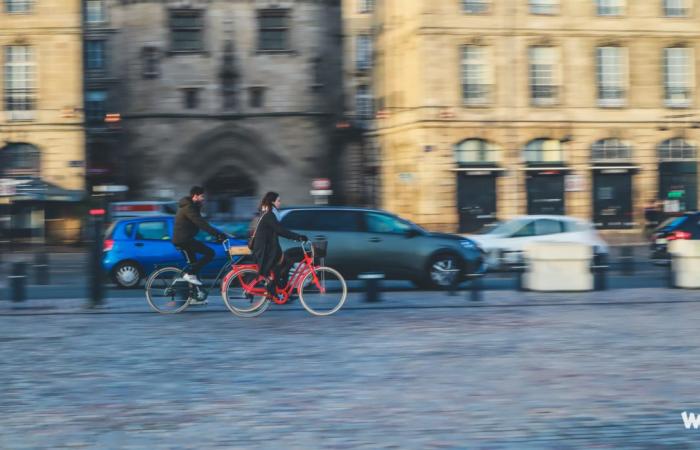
(107,245)
(679,235)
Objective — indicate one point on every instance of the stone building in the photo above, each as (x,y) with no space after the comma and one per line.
(494,108)
(42,144)
(241,96)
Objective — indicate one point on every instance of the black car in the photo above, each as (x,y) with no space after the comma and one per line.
(367,240)
(686,226)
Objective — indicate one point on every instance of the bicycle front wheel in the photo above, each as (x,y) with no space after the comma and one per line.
(166,291)
(244,294)
(323,291)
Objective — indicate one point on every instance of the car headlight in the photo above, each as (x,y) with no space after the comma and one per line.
(468,244)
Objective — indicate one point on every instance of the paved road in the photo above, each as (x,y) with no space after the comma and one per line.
(416,371)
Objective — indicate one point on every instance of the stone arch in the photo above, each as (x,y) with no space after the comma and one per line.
(20,159)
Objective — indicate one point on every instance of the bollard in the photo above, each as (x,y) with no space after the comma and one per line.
(18,282)
(519,275)
(600,269)
(41,268)
(670,281)
(372,287)
(454,282)
(475,288)
(95,262)
(626,260)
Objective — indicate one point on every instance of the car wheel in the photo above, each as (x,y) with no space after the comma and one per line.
(442,270)
(127,274)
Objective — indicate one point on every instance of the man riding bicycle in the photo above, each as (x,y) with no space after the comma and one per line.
(188,221)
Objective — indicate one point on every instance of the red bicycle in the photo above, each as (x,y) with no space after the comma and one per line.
(322,290)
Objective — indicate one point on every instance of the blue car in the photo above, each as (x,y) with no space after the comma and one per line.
(133,248)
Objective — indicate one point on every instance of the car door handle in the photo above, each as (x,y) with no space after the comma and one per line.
(139,244)
(375,239)
(320,237)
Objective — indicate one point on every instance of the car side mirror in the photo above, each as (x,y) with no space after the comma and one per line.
(411,233)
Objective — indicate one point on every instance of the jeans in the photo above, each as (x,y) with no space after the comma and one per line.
(191,249)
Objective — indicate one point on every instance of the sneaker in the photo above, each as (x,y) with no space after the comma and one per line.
(192,279)
(194,302)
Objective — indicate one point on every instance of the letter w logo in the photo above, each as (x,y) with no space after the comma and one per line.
(690,420)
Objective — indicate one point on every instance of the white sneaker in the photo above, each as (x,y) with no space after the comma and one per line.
(192,279)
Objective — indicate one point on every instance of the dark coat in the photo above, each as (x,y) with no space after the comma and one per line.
(189,220)
(266,245)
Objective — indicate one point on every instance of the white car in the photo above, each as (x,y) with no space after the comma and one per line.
(504,243)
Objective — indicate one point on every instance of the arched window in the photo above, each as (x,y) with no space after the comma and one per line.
(676,149)
(544,151)
(477,151)
(20,160)
(611,150)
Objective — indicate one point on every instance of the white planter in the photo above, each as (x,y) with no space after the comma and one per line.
(558,266)
(685,263)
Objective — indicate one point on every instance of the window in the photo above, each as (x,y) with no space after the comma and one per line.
(186,30)
(95,106)
(150,62)
(363,52)
(474,86)
(676,149)
(318,220)
(544,6)
(273,29)
(20,160)
(675,8)
(94,11)
(477,151)
(157,230)
(190,98)
(610,7)
(20,75)
(95,54)
(363,102)
(257,97)
(18,6)
(611,75)
(677,76)
(527,230)
(544,151)
(543,88)
(547,226)
(381,223)
(611,150)
(365,6)
(475,6)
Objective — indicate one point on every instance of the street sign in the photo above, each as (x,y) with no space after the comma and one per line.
(321,184)
(110,188)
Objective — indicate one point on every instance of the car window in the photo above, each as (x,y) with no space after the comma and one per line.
(382,223)
(322,220)
(547,226)
(128,229)
(156,230)
(526,230)
(571,226)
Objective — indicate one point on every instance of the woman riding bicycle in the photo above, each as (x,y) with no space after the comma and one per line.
(266,247)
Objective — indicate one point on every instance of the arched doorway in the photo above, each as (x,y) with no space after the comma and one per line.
(20,160)
(612,183)
(231,195)
(545,176)
(477,169)
(678,175)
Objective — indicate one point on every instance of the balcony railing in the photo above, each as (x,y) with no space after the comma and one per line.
(675,12)
(542,95)
(611,96)
(678,97)
(475,94)
(475,6)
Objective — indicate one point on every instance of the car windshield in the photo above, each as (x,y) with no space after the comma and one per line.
(508,228)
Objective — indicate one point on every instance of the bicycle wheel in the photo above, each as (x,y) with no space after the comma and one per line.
(166,292)
(238,296)
(325,294)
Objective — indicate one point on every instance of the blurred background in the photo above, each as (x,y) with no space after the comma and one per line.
(453,114)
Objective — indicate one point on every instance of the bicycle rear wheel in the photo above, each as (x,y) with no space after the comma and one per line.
(244,294)
(324,294)
(166,292)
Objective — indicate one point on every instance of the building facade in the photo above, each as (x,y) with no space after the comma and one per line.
(493,108)
(239,96)
(42,144)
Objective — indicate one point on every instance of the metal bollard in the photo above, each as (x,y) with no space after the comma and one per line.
(519,275)
(454,283)
(600,270)
(475,288)
(18,282)
(95,266)
(41,268)
(372,288)
(626,260)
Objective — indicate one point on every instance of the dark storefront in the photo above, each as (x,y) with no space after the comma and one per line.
(678,186)
(545,191)
(612,197)
(476,198)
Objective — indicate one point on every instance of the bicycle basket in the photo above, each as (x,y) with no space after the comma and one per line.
(320,248)
(239,250)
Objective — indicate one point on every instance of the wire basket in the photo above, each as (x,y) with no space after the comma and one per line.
(320,248)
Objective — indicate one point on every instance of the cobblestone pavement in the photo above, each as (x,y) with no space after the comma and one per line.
(416,371)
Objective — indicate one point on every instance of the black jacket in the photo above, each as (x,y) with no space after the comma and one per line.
(188,221)
(266,245)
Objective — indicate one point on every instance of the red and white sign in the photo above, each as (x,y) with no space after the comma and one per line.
(321,184)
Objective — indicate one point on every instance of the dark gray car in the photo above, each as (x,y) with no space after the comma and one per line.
(367,240)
